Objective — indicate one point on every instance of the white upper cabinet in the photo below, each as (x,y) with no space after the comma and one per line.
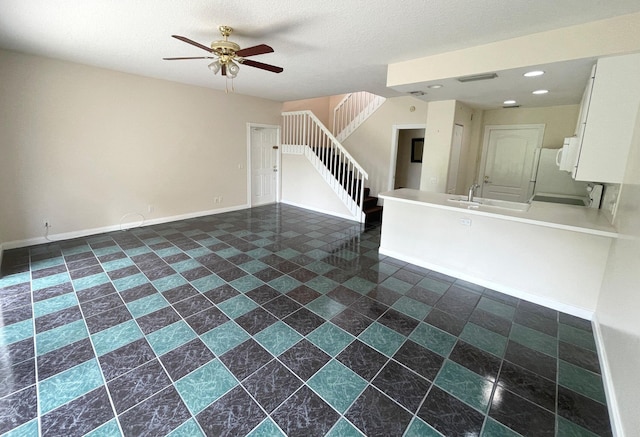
(611,115)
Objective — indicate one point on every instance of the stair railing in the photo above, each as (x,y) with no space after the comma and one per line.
(302,129)
(352,111)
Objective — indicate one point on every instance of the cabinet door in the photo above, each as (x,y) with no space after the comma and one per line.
(611,120)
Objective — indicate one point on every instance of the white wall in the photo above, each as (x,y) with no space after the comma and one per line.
(437,145)
(407,172)
(82,146)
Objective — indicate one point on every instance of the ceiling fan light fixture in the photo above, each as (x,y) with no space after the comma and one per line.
(215,66)
(232,69)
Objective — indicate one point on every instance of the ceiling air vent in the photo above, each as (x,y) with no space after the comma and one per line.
(477,77)
(511,106)
(417,93)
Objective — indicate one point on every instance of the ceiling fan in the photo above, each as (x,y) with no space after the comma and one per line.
(227,55)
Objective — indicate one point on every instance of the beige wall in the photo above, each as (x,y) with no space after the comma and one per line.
(371,143)
(468,118)
(319,106)
(407,172)
(619,304)
(437,145)
(82,146)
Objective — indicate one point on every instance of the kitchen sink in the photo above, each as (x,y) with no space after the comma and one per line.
(482,203)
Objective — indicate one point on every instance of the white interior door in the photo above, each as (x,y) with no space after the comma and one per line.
(506,171)
(264,165)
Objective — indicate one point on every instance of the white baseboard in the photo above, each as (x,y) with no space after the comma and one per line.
(322,211)
(549,303)
(607,381)
(111,228)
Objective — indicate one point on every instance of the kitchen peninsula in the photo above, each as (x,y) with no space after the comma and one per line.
(553,255)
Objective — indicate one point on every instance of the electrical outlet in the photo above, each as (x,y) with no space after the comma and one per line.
(47,223)
(465,222)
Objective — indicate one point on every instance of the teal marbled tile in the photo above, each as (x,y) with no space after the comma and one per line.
(493,428)
(154,240)
(50,281)
(48,306)
(168,251)
(534,339)
(128,282)
(170,337)
(325,307)
(116,264)
(90,281)
(185,265)
(330,338)
(253,266)
(277,338)
(314,234)
(147,305)
(169,282)
(266,429)
(68,385)
(199,251)
(581,381)
(224,337)
(412,307)
(228,252)
(316,254)
(204,385)
(319,267)
(315,243)
(246,283)
(382,339)
(237,306)
(284,283)
(466,385)
(396,285)
(418,428)
(576,336)
(188,429)
(497,308)
(344,429)
(433,339)
(61,336)
(115,337)
(484,339)
(566,428)
(109,429)
(337,385)
(322,284)
(45,263)
(17,278)
(137,250)
(385,268)
(434,285)
(207,283)
(287,253)
(29,429)
(106,250)
(16,332)
(359,285)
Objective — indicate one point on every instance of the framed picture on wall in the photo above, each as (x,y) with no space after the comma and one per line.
(417,145)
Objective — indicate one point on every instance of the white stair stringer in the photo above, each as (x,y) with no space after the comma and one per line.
(352,111)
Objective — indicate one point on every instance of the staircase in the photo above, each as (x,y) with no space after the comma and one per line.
(352,111)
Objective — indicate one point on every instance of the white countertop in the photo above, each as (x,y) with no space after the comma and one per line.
(568,217)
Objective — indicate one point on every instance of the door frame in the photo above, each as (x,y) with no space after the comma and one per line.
(395,134)
(485,146)
(278,160)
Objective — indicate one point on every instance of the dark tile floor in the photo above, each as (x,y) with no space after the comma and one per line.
(278,321)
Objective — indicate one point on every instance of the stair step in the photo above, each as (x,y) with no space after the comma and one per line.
(370,202)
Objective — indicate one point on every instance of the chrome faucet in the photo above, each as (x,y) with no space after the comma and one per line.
(472,190)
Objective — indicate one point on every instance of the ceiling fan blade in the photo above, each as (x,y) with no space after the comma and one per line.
(262,66)
(255,50)
(223,70)
(193,57)
(193,43)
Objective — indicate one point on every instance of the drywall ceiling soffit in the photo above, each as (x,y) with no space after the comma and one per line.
(326,48)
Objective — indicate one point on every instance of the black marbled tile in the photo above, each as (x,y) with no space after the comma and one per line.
(137,385)
(456,307)
(352,321)
(138,292)
(77,256)
(83,264)
(445,321)
(586,412)
(303,275)
(536,321)
(282,306)
(538,309)
(158,415)
(79,416)
(576,322)
(16,314)
(463,295)
(16,376)
(256,320)
(126,358)
(20,350)
(304,359)
(101,304)
(53,291)
(157,320)
(180,293)
(245,358)
(145,258)
(286,267)
(407,276)
(160,272)
(231,274)
(123,272)
(401,384)
(491,322)
(501,297)
(532,360)
(268,274)
(271,385)
(420,359)
(64,358)
(303,321)
(240,258)
(368,307)
(11,301)
(222,293)
(14,290)
(18,408)
(362,359)
(476,360)
(95,292)
(262,294)
(186,358)
(303,294)
(172,259)
(58,318)
(585,358)
(521,415)
(112,257)
(449,415)
(192,305)
(384,295)
(398,322)
(529,385)
(234,414)
(206,320)
(305,414)
(108,319)
(37,274)
(86,271)
(376,415)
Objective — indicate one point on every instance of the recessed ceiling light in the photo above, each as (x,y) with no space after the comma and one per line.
(509,102)
(540,91)
(534,73)
(435,86)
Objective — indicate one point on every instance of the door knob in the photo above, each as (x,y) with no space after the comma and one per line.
(486,180)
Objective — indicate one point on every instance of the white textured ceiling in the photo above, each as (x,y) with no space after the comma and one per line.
(326,47)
